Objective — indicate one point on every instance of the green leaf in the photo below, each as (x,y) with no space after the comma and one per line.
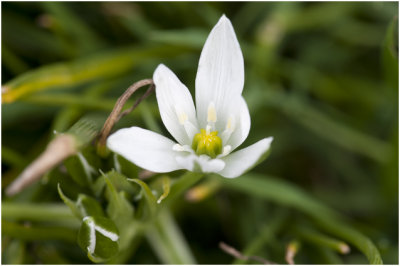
(124,166)
(84,205)
(150,198)
(14,252)
(286,194)
(390,56)
(166,184)
(89,206)
(181,185)
(82,167)
(121,183)
(191,38)
(82,70)
(70,203)
(98,186)
(98,236)
(119,209)
(79,169)
(168,242)
(86,128)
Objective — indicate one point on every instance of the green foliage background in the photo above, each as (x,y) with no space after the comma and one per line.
(322,78)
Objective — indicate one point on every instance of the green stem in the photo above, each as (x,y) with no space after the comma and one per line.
(168,242)
(134,234)
(342,230)
(38,233)
(70,74)
(328,256)
(182,185)
(286,194)
(62,99)
(13,158)
(319,239)
(268,231)
(165,237)
(52,212)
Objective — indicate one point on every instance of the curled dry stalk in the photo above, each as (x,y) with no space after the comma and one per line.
(116,114)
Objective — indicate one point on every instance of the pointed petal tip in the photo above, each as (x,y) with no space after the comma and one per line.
(224,20)
(269,139)
(239,162)
(159,68)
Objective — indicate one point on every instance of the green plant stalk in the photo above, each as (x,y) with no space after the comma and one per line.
(38,233)
(328,255)
(268,231)
(168,242)
(71,113)
(327,128)
(12,61)
(319,239)
(135,234)
(148,116)
(347,233)
(164,237)
(63,75)
(70,25)
(286,194)
(12,157)
(181,185)
(49,212)
(14,251)
(89,103)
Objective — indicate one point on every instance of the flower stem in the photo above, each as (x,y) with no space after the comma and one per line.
(168,242)
(165,237)
(181,185)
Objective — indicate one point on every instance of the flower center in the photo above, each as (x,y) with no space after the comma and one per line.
(207,142)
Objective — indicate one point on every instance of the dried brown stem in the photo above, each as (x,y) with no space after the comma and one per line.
(57,150)
(238,255)
(116,114)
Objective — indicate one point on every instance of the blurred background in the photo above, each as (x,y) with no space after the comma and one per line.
(322,78)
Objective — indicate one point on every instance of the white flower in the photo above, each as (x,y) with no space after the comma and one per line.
(206,139)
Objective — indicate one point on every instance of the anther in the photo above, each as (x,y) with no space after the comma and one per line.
(182,116)
(178,147)
(230,127)
(227,150)
(211,113)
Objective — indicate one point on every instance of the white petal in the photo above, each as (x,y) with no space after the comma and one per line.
(201,163)
(220,75)
(145,148)
(239,162)
(242,123)
(175,104)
